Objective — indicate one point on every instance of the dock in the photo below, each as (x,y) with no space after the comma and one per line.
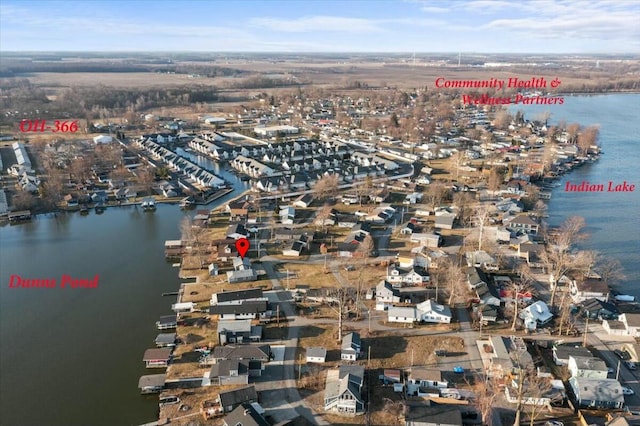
(171,293)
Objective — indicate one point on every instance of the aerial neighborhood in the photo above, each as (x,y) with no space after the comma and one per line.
(400,266)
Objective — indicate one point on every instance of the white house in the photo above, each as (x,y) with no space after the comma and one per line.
(102,139)
(588,367)
(386,295)
(316,355)
(351,346)
(406,315)
(535,314)
(430,311)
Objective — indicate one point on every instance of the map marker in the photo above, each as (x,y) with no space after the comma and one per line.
(242,245)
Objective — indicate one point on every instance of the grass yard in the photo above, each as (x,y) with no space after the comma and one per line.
(392,351)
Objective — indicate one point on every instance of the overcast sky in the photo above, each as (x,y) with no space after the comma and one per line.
(546,26)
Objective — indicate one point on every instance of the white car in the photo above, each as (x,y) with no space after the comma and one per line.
(553,423)
(627,391)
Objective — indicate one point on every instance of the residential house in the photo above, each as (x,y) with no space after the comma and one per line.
(260,353)
(237,296)
(597,309)
(433,415)
(316,355)
(167,322)
(386,295)
(406,315)
(391,376)
(157,357)
(246,415)
(230,372)
(588,367)
(238,331)
(597,393)
(524,223)
(287,215)
(488,314)
(426,240)
(430,311)
(629,325)
(343,390)
(502,356)
(562,353)
(582,289)
(488,294)
(242,271)
(351,347)
(236,231)
(245,309)
(444,222)
(303,201)
(475,277)
(535,315)
(412,275)
(231,399)
(422,379)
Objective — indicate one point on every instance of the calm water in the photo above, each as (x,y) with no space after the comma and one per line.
(74,356)
(613,219)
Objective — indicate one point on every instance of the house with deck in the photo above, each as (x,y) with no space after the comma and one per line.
(604,394)
(157,357)
(230,400)
(343,390)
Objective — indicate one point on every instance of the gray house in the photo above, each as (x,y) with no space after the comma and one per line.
(343,390)
(351,347)
(230,372)
(597,393)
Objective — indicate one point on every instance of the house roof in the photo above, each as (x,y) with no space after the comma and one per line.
(165,338)
(152,380)
(592,285)
(424,373)
(402,311)
(565,351)
(228,296)
(234,326)
(345,378)
(351,340)
(419,415)
(157,353)
(538,311)
(224,367)
(523,219)
(317,352)
(238,396)
(589,363)
(608,390)
(246,307)
(432,306)
(245,415)
(241,352)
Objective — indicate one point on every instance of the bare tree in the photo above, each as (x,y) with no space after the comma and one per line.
(435,194)
(557,256)
(366,247)
(609,270)
(588,138)
(23,200)
(463,201)
(496,178)
(326,187)
(485,392)
(525,279)
(572,132)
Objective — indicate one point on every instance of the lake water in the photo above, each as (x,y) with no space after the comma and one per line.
(613,218)
(74,356)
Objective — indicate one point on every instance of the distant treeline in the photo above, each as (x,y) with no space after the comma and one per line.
(95,102)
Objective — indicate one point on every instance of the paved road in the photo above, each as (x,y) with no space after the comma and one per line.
(283,401)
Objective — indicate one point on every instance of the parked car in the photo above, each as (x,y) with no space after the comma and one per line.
(553,423)
(458,369)
(630,365)
(627,391)
(168,400)
(622,354)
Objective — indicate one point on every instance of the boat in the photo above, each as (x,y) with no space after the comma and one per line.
(100,208)
(186,203)
(84,209)
(148,204)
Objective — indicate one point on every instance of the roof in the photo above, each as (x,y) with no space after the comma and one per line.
(234,326)
(418,415)
(224,367)
(431,306)
(592,285)
(166,338)
(246,307)
(345,378)
(157,353)
(316,352)
(238,396)
(632,319)
(597,389)
(589,363)
(245,415)
(241,352)
(523,220)
(565,351)
(350,340)
(152,380)
(424,373)
(402,311)
(168,319)
(228,296)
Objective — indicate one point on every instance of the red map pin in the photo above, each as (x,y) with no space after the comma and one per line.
(242,245)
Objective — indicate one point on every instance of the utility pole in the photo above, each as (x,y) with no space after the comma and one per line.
(586,331)
(369,317)
(618,370)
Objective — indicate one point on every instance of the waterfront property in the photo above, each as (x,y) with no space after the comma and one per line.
(157,357)
(151,383)
(167,322)
(164,340)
